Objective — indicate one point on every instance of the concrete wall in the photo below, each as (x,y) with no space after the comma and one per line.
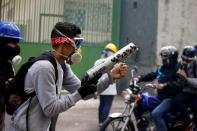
(177,24)
(138,24)
(152,24)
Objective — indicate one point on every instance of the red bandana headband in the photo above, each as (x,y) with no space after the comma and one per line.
(61,40)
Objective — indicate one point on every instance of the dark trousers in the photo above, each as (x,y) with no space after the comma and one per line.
(2,113)
(53,123)
(180,102)
(2,121)
(159,112)
(104,107)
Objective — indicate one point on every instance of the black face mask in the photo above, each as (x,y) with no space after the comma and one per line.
(165,62)
(8,52)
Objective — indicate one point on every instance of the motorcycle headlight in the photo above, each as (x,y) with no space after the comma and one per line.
(126,94)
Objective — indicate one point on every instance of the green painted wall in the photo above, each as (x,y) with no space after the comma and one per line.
(90,54)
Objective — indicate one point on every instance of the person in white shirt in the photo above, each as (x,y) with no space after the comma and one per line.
(107,96)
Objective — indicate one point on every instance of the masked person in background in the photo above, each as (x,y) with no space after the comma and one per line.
(188,70)
(9,48)
(169,84)
(40,78)
(107,96)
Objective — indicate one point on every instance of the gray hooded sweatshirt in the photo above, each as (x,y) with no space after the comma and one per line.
(46,104)
(191,86)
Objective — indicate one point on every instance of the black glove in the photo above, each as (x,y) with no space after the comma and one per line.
(88,86)
(87,90)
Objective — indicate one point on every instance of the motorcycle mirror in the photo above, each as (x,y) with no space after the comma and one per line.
(136,68)
(160,75)
(132,71)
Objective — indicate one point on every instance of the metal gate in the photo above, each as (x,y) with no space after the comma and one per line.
(36,18)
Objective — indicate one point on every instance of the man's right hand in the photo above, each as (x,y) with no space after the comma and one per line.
(136,79)
(159,86)
(7,82)
(88,86)
(182,72)
(86,90)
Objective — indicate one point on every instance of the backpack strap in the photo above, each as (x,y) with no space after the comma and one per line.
(45,56)
(48,56)
(27,114)
(63,68)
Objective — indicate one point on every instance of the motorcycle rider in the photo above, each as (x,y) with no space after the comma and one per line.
(169,83)
(189,94)
(195,50)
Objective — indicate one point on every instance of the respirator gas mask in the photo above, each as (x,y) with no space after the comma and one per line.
(16,60)
(165,60)
(73,59)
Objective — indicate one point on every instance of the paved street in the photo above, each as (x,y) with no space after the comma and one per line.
(83,116)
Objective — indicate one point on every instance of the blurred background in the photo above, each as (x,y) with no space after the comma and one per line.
(150,24)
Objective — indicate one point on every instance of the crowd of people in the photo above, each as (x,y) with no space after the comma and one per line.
(45,106)
(176,88)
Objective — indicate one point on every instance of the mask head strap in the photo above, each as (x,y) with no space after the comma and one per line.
(75,42)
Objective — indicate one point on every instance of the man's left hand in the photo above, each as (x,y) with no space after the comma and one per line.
(119,71)
(182,72)
(159,86)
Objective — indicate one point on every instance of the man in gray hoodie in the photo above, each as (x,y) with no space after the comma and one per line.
(40,79)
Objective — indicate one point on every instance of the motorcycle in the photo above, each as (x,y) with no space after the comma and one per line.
(135,96)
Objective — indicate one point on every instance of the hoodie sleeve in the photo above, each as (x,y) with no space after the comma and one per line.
(193,81)
(175,85)
(70,81)
(104,82)
(43,80)
(148,77)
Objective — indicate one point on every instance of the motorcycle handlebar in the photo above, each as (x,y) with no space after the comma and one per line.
(137,89)
(150,85)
